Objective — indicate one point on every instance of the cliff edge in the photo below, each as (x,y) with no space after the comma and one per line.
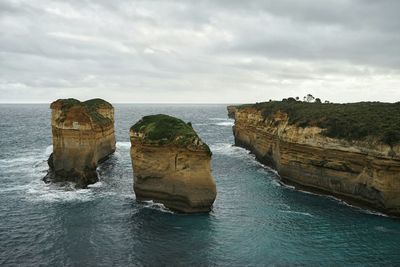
(348,150)
(171,164)
(83,136)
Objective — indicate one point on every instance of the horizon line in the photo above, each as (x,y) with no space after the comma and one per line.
(144,103)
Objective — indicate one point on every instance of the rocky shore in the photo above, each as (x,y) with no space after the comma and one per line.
(83,136)
(365,171)
(171,164)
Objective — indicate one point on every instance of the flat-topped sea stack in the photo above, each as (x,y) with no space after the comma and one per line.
(348,150)
(83,136)
(171,164)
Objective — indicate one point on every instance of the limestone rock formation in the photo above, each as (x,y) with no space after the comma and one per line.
(364,172)
(83,136)
(171,164)
(231,111)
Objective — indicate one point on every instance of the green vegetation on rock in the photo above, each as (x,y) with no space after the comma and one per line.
(164,129)
(90,106)
(352,121)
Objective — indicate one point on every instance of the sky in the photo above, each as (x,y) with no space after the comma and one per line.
(226,51)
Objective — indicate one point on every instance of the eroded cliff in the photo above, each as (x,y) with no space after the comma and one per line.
(365,171)
(171,164)
(83,136)
(231,111)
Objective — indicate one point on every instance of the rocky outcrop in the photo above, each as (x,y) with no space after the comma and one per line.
(83,136)
(171,164)
(364,172)
(231,111)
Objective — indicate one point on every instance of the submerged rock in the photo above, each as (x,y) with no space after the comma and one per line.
(83,136)
(171,164)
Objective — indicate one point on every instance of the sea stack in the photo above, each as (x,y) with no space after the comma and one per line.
(350,151)
(171,164)
(83,136)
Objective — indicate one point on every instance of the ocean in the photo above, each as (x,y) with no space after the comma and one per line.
(256,221)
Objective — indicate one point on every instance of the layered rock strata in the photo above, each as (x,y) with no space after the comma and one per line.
(364,172)
(171,164)
(83,136)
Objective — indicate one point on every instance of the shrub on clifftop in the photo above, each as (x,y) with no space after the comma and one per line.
(165,129)
(353,121)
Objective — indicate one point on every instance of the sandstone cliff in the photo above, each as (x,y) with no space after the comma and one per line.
(231,111)
(171,164)
(83,136)
(366,172)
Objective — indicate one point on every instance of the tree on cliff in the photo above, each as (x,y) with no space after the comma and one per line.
(310,98)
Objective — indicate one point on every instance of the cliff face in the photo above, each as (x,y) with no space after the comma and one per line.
(231,111)
(173,169)
(83,136)
(366,172)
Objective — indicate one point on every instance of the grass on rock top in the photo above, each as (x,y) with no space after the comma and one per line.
(352,121)
(165,129)
(91,107)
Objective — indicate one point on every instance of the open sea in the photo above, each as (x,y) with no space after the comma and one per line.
(255,221)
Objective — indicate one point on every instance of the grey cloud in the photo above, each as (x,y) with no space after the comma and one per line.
(199,51)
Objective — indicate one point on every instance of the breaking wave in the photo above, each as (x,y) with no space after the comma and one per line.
(156,206)
(225,123)
(124,145)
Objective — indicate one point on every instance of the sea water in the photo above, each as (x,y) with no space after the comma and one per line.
(255,221)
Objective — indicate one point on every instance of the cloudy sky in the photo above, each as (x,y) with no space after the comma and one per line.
(228,51)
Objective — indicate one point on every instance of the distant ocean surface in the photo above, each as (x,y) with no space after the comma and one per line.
(255,220)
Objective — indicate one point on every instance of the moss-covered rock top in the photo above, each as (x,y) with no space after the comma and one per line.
(163,129)
(352,121)
(90,106)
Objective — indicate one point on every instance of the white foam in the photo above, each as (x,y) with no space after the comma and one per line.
(124,145)
(275,182)
(228,149)
(18,160)
(219,119)
(338,200)
(38,191)
(15,188)
(297,212)
(364,210)
(96,185)
(225,123)
(156,206)
(49,150)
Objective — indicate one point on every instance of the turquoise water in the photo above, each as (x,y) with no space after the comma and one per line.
(255,220)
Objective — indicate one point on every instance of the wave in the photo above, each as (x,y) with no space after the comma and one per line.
(363,210)
(275,182)
(96,185)
(228,149)
(156,206)
(18,160)
(124,145)
(297,212)
(38,191)
(337,200)
(218,119)
(48,150)
(225,123)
